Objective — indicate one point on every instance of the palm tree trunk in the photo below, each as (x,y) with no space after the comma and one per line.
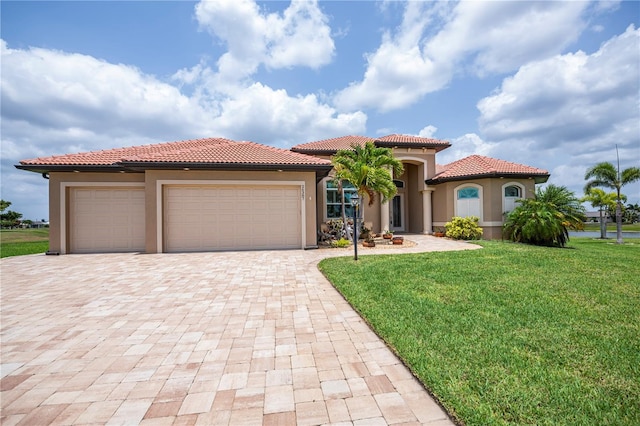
(603,226)
(344,215)
(618,222)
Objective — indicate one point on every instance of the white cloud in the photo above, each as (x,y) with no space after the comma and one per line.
(570,98)
(464,146)
(498,37)
(300,36)
(568,112)
(283,119)
(428,131)
(479,37)
(55,102)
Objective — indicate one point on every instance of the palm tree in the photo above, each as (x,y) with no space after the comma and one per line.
(608,176)
(603,201)
(369,169)
(632,212)
(545,219)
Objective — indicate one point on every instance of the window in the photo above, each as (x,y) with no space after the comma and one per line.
(468,202)
(398,183)
(512,191)
(334,200)
(511,194)
(468,192)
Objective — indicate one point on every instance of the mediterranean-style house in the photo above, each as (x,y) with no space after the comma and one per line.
(218,194)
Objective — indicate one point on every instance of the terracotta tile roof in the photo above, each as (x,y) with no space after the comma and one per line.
(408,141)
(330,146)
(198,151)
(481,166)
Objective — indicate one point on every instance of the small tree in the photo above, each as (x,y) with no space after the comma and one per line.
(9,218)
(604,202)
(369,169)
(608,176)
(546,219)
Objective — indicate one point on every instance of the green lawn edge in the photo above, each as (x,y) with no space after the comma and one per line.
(510,334)
(20,242)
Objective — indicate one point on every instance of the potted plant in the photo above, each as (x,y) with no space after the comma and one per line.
(386,234)
(440,232)
(397,240)
(365,233)
(369,242)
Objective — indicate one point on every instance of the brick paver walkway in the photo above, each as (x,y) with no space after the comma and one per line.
(242,338)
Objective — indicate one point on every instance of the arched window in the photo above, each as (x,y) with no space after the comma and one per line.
(511,193)
(468,201)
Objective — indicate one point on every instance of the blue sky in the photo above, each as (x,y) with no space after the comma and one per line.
(553,85)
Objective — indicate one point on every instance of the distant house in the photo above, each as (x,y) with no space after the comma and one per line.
(33,224)
(219,194)
(595,217)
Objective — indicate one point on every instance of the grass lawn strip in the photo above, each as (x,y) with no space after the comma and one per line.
(18,242)
(511,334)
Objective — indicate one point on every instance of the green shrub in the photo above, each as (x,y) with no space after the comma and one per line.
(342,242)
(464,228)
(546,219)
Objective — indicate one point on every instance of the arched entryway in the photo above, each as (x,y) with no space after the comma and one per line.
(410,210)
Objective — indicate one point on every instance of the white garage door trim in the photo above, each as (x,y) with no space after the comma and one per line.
(63,202)
(160,201)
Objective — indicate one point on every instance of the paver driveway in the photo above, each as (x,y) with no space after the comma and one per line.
(205,338)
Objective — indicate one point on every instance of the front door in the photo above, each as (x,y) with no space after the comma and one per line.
(396,213)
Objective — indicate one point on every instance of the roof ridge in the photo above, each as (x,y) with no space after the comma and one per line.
(487,163)
(202,144)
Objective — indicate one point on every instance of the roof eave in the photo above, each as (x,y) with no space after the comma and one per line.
(48,168)
(388,144)
(314,151)
(539,178)
(139,167)
(321,170)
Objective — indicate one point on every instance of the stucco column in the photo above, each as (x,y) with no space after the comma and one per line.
(384,216)
(427,213)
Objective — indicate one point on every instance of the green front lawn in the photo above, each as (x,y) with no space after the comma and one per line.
(18,242)
(629,227)
(511,334)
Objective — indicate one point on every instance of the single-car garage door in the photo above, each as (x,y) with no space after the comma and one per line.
(106,220)
(232,217)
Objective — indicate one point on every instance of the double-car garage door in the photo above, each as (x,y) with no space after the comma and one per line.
(194,218)
(231,217)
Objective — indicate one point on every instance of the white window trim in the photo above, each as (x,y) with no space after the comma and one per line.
(519,185)
(325,204)
(480,197)
(160,201)
(63,202)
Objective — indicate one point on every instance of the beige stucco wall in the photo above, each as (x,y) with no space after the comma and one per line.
(150,179)
(444,199)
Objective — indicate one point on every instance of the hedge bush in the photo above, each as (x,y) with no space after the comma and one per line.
(463,228)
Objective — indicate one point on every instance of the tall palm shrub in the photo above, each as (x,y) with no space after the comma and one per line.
(369,169)
(546,219)
(608,176)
